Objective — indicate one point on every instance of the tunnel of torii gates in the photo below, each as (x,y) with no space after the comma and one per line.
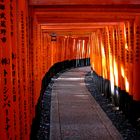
(35,35)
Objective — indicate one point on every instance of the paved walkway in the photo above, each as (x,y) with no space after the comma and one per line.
(75,115)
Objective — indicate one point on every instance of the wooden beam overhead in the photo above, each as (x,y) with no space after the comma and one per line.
(76,26)
(45,20)
(77,16)
(82,2)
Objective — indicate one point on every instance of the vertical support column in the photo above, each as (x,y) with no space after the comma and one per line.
(6,100)
(52,52)
(115,67)
(97,54)
(92,63)
(14,37)
(106,46)
(49,52)
(115,53)
(75,50)
(71,47)
(136,71)
(41,55)
(23,70)
(104,60)
(39,59)
(122,57)
(107,54)
(35,64)
(127,45)
(131,56)
(103,54)
(59,48)
(110,51)
(44,46)
(31,73)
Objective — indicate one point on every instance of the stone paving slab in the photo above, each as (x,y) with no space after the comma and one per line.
(75,115)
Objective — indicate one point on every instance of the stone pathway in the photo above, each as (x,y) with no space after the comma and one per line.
(75,115)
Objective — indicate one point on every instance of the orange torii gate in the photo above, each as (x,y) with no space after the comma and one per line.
(107,33)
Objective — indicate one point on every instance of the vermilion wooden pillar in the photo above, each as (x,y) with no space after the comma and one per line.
(30,62)
(41,54)
(44,42)
(52,52)
(111,56)
(23,69)
(93,51)
(6,100)
(103,52)
(121,57)
(34,65)
(15,78)
(99,53)
(136,70)
(126,55)
(71,47)
(107,52)
(75,48)
(115,56)
(87,48)
(131,56)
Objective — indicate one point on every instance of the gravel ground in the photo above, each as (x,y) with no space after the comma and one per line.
(44,127)
(128,131)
